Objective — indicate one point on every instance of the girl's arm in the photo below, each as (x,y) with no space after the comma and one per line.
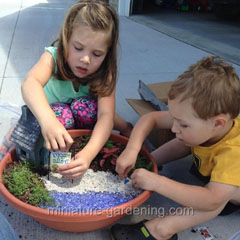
(100,134)
(141,130)
(34,96)
(103,127)
(207,198)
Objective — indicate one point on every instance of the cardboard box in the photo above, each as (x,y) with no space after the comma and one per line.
(158,136)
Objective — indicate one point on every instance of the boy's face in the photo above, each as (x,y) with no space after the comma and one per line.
(189,128)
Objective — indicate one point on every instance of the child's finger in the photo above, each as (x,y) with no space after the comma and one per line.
(68,140)
(71,172)
(127,170)
(74,175)
(48,145)
(120,170)
(54,145)
(133,175)
(67,168)
(61,143)
(72,167)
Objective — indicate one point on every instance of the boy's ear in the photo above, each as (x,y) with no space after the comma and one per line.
(220,121)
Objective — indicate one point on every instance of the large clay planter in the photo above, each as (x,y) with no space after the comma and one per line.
(75,221)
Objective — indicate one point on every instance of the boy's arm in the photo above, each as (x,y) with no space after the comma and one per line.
(207,198)
(144,126)
(141,130)
(170,151)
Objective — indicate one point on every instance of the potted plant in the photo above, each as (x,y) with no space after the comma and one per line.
(76,221)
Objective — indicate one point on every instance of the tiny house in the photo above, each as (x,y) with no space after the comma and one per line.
(28,139)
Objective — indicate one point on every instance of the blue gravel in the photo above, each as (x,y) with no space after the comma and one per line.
(84,202)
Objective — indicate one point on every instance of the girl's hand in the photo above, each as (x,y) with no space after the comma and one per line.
(125,162)
(56,136)
(144,179)
(75,168)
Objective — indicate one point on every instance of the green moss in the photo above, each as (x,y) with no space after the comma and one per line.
(26,185)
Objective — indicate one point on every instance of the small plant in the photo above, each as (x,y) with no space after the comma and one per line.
(84,140)
(107,157)
(108,144)
(24,183)
(141,163)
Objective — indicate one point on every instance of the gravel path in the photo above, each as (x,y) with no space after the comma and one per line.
(93,191)
(91,181)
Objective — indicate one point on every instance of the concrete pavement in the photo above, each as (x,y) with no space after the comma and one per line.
(199,29)
(26,27)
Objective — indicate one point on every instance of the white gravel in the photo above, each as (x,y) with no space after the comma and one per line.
(91,181)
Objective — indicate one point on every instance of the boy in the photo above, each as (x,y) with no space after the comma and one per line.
(204,104)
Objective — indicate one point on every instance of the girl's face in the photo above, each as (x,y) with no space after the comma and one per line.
(189,128)
(86,50)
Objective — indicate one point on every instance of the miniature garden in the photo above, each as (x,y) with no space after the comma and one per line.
(99,188)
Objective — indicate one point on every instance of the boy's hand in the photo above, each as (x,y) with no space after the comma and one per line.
(56,136)
(125,162)
(76,168)
(144,179)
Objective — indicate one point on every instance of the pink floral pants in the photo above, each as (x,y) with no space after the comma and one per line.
(80,114)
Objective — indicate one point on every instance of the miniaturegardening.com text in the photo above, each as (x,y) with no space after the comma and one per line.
(110,212)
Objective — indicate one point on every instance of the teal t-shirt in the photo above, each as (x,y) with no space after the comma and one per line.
(62,91)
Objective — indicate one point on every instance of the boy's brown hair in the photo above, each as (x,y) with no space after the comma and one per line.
(99,16)
(212,84)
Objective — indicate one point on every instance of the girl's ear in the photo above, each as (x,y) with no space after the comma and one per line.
(220,120)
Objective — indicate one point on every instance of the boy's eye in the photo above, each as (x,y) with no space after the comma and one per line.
(183,125)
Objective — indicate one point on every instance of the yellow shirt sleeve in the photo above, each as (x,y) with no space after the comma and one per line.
(226,168)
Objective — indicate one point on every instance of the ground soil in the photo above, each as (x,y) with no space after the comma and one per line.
(107,163)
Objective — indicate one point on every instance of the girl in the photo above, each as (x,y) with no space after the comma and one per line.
(73,84)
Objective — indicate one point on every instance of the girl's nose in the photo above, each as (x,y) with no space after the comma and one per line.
(86,59)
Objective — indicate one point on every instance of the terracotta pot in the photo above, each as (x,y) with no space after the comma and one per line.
(76,221)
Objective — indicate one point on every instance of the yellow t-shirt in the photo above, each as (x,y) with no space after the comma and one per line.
(221,161)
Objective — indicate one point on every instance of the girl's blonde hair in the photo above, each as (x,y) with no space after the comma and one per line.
(212,84)
(99,16)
